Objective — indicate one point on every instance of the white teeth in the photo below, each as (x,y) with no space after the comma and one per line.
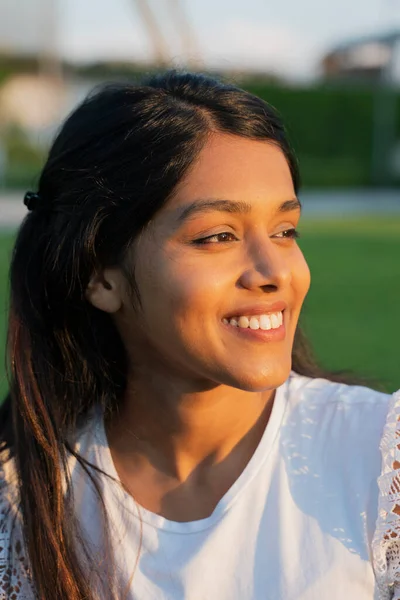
(243,322)
(265,322)
(274,321)
(254,323)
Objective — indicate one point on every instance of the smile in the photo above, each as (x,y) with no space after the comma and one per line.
(264,322)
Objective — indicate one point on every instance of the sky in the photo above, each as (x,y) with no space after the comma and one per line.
(288,37)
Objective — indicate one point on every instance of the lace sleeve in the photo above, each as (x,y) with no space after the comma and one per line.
(15,577)
(386,541)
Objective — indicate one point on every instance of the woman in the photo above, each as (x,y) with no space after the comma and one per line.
(167,434)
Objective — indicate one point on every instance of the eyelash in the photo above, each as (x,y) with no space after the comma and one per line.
(292,234)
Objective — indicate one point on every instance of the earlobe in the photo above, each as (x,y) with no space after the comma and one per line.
(104,291)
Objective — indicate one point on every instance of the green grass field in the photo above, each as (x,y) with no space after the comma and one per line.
(352,311)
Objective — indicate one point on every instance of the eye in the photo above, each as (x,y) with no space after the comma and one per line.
(216,238)
(288,234)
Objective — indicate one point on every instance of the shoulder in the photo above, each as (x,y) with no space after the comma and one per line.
(331,442)
(334,431)
(353,414)
(323,392)
(15,576)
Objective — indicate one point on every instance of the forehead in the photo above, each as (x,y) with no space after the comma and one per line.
(239,169)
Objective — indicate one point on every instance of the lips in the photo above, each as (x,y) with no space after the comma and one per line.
(257,330)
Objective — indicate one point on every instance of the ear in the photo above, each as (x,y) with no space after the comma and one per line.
(104,290)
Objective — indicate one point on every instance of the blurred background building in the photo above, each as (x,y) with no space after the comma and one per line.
(369,59)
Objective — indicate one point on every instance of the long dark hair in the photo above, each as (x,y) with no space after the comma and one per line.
(115,162)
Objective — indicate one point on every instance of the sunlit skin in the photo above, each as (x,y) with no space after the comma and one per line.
(200,394)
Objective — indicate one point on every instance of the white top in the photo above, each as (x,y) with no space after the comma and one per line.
(300,523)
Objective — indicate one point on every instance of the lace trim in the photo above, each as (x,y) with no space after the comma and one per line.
(15,576)
(386,541)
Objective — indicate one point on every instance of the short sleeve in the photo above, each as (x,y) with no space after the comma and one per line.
(15,576)
(386,541)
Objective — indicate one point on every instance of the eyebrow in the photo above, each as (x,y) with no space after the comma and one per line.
(237,207)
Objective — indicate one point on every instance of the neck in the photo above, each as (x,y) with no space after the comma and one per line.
(178,429)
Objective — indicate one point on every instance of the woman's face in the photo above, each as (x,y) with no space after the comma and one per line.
(221,248)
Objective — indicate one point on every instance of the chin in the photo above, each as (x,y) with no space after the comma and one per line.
(268,377)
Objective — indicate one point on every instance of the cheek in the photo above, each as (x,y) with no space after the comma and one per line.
(178,292)
(195,292)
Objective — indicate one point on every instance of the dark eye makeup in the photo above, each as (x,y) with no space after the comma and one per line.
(286,234)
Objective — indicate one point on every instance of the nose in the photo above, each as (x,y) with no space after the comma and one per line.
(267,265)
